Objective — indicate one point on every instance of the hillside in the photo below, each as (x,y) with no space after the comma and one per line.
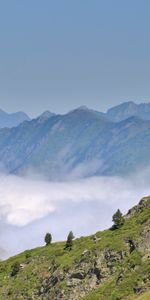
(81,143)
(109,265)
(145,296)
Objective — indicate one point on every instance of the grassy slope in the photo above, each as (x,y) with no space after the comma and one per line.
(145,296)
(38,261)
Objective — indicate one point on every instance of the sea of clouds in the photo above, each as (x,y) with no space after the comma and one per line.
(30,207)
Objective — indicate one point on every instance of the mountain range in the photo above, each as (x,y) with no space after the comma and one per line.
(80,143)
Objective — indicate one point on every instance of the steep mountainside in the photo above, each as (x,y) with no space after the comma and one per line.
(116,114)
(81,142)
(12,120)
(110,265)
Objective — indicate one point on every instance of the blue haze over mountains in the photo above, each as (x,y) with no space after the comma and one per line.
(80,143)
(12,119)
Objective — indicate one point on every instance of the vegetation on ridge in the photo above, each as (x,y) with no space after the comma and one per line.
(110,265)
(48,238)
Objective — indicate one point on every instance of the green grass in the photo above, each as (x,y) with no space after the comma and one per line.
(113,291)
(145,296)
(39,263)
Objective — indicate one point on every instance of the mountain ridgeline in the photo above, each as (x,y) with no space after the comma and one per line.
(12,119)
(110,265)
(80,143)
(128,109)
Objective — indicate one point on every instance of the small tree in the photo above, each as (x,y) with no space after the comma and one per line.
(48,238)
(15,269)
(69,242)
(118,219)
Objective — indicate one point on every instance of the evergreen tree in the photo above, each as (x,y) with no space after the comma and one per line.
(118,219)
(69,242)
(48,238)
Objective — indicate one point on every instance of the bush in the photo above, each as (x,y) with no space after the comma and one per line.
(135,259)
(114,296)
(27,254)
(15,268)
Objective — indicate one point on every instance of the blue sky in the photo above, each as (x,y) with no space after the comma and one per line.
(60,54)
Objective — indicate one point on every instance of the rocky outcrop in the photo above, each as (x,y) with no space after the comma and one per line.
(144,203)
(94,268)
(84,276)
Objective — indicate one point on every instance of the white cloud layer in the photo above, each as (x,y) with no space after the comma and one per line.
(28,207)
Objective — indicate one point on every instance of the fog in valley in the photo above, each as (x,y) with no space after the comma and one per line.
(31,206)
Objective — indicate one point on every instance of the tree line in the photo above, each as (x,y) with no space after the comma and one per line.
(69,242)
(118,221)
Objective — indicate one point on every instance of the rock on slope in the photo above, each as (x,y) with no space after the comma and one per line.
(110,265)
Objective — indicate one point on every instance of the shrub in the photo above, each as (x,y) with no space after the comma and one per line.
(15,269)
(135,259)
(27,254)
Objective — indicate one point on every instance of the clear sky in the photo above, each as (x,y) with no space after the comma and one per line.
(60,54)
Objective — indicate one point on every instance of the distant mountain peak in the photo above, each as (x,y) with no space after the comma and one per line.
(83,107)
(45,115)
(12,119)
(123,105)
(127,109)
(131,102)
(80,108)
(85,112)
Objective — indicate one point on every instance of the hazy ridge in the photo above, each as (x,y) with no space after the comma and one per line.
(82,143)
